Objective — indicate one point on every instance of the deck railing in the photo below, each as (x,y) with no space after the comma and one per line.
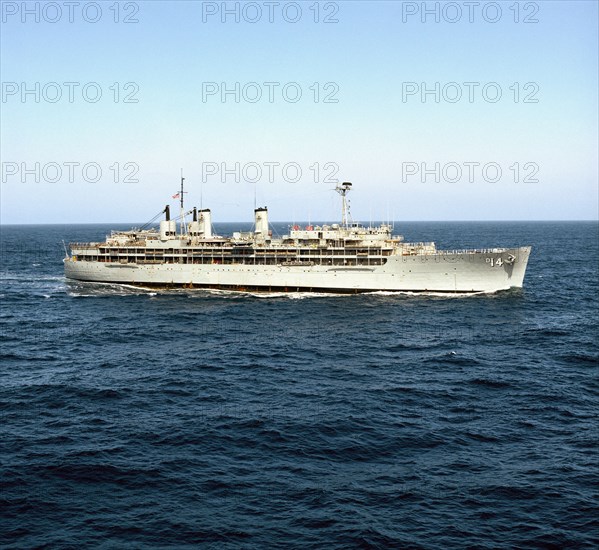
(421,249)
(85,246)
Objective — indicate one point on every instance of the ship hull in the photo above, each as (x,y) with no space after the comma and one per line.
(459,272)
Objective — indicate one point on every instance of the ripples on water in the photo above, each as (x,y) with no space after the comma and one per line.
(164,419)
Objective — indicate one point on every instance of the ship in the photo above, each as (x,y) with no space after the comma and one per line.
(344,257)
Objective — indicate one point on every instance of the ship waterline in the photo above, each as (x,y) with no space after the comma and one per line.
(342,258)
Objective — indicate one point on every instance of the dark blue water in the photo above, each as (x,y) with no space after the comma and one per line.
(141,419)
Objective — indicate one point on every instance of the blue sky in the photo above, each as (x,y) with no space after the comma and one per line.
(372,135)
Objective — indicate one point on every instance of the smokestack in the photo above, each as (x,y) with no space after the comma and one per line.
(194,226)
(167,211)
(261,222)
(206,223)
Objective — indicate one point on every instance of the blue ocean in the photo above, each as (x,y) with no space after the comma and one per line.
(134,418)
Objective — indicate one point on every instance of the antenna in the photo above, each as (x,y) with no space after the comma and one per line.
(343,189)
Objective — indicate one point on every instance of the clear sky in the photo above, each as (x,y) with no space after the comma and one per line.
(361,116)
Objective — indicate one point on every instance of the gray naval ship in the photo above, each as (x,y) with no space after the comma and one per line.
(344,257)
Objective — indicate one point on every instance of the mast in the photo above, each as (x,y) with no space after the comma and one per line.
(343,189)
(181,200)
(182,180)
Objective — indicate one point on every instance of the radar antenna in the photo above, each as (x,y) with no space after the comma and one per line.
(343,189)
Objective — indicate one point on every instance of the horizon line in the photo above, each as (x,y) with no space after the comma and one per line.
(134,224)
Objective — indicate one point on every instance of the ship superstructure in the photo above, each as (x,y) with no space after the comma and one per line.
(339,257)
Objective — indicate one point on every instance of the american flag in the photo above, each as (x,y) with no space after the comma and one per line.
(176,196)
